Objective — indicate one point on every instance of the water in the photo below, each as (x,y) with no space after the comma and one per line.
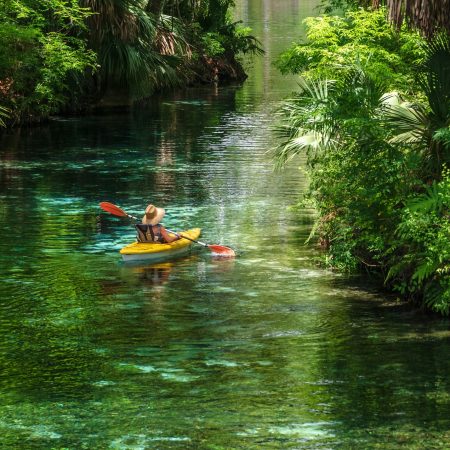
(264,351)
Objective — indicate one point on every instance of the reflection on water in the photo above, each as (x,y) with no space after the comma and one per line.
(263,351)
(155,274)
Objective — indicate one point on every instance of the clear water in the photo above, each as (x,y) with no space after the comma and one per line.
(263,351)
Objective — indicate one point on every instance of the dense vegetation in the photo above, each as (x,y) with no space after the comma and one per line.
(373,117)
(42,55)
(59,55)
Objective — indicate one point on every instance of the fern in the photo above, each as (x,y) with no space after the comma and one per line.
(442,135)
(425,270)
(431,201)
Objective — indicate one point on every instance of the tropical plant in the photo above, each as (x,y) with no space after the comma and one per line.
(353,171)
(425,126)
(326,115)
(125,38)
(334,43)
(143,46)
(3,115)
(136,46)
(376,163)
(41,56)
(424,266)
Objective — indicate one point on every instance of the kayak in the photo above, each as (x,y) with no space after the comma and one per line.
(139,251)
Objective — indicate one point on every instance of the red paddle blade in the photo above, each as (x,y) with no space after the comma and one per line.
(112,209)
(221,250)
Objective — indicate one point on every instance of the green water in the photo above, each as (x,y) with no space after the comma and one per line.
(264,351)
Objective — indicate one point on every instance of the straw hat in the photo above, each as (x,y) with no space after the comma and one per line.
(153,215)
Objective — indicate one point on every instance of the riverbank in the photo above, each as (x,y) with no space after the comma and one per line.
(85,56)
(373,117)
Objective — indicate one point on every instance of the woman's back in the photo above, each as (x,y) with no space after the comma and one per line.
(149,233)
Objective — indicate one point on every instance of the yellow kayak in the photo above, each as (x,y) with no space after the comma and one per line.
(138,251)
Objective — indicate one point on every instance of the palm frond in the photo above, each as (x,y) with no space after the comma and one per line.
(135,49)
(170,38)
(435,78)
(317,90)
(308,127)
(290,149)
(409,123)
(4,114)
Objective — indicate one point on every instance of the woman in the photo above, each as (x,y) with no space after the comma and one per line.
(150,230)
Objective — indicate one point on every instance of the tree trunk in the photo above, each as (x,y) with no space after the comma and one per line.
(428,16)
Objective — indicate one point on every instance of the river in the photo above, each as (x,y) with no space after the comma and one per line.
(267,350)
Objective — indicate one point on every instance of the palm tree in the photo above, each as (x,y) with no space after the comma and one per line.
(126,38)
(425,127)
(327,114)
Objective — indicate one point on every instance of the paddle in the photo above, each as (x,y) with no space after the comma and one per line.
(220,250)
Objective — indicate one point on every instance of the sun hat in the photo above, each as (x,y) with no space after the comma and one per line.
(153,215)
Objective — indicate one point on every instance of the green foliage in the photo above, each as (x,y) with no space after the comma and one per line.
(376,161)
(425,263)
(237,39)
(212,45)
(62,56)
(334,43)
(442,135)
(328,6)
(424,125)
(41,53)
(230,40)
(141,50)
(212,15)
(56,53)
(137,53)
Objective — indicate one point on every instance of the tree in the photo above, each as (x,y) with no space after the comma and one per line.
(428,16)
(125,37)
(377,163)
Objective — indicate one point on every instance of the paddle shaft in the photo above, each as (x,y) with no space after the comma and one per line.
(173,232)
(185,237)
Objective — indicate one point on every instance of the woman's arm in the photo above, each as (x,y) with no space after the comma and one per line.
(168,237)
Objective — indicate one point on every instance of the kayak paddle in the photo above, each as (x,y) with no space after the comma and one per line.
(220,250)
(115,210)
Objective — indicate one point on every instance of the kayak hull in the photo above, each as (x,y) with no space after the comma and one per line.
(151,252)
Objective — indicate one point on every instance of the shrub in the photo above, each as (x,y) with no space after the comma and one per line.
(377,162)
(335,43)
(40,55)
